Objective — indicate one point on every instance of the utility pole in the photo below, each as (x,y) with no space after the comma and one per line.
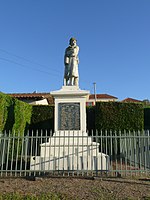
(94,91)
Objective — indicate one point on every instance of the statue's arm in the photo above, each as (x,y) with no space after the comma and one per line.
(77,51)
(66,57)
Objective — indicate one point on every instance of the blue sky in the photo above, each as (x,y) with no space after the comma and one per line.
(113,36)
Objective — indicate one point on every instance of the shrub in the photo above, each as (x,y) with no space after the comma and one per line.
(17,116)
(90,120)
(42,117)
(147,118)
(119,116)
(14,114)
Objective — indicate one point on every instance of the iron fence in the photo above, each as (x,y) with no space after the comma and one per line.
(73,153)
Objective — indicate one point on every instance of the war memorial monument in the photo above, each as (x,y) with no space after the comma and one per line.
(70,148)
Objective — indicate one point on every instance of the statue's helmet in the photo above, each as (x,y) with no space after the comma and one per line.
(72,39)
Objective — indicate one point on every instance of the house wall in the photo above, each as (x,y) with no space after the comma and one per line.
(91,102)
(33,102)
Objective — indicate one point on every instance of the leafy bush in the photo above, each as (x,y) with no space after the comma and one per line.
(119,116)
(17,116)
(42,117)
(147,118)
(6,103)
(14,114)
(22,114)
(90,119)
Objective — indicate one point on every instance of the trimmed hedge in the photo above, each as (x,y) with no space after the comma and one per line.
(147,118)
(42,117)
(90,117)
(19,116)
(6,104)
(119,116)
(14,114)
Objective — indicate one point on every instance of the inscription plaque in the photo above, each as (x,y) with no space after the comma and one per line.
(69,116)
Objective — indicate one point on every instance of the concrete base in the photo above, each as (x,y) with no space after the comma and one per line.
(70,150)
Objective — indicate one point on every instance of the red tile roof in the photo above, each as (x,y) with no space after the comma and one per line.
(36,96)
(102,96)
(50,99)
(29,95)
(130,100)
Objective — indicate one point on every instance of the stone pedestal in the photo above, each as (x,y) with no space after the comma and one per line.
(70,147)
(70,109)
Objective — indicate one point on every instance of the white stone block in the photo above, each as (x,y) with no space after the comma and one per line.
(100,162)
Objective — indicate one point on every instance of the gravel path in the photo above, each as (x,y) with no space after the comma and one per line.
(76,188)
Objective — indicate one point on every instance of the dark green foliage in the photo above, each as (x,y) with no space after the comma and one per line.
(17,116)
(115,117)
(147,118)
(119,116)
(6,112)
(90,112)
(42,117)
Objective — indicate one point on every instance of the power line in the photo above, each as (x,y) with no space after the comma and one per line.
(30,61)
(25,66)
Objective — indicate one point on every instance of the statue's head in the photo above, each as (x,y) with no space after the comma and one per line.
(72,41)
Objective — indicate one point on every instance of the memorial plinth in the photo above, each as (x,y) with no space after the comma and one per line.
(70,148)
(70,109)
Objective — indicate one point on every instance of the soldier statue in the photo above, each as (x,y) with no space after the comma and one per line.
(71,60)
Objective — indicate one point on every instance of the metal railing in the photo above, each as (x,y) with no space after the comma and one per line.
(73,153)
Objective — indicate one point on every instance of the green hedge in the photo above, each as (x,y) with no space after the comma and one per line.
(6,104)
(14,114)
(19,116)
(147,118)
(90,117)
(119,116)
(42,117)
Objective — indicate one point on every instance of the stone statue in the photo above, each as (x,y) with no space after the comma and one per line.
(71,60)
